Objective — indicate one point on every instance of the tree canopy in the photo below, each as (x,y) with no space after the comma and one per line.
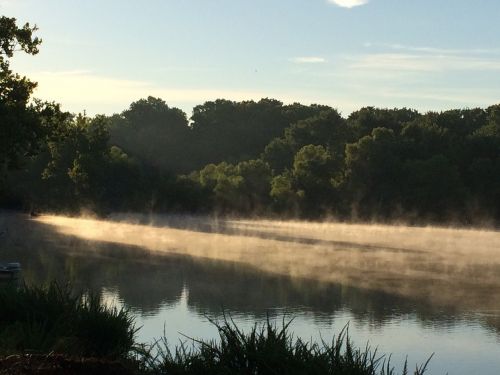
(19,124)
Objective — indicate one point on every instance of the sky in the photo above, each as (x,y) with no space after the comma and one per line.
(101,55)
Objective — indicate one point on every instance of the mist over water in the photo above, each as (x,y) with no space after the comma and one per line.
(408,290)
(449,267)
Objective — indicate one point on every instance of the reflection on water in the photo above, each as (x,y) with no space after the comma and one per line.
(426,264)
(409,290)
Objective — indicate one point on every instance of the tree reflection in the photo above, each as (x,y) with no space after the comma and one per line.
(147,281)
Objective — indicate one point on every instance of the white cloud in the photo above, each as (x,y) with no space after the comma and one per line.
(433,50)
(426,62)
(457,96)
(308,60)
(348,3)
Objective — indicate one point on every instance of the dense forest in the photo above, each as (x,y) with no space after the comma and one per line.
(246,158)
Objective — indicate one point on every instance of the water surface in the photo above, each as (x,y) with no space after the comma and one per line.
(406,290)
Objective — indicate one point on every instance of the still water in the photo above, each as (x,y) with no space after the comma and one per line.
(406,290)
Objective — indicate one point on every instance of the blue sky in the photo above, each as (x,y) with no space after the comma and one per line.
(100,55)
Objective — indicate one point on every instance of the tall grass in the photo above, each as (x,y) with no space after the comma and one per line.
(267,349)
(53,319)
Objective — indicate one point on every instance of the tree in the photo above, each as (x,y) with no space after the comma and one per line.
(279,155)
(433,187)
(328,129)
(285,199)
(366,119)
(373,173)
(256,176)
(313,171)
(20,128)
(153,132)
(224,186)
(72,167)
(225,130)
(492,126)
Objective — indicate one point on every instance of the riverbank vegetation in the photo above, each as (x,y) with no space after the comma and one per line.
(55,319)
(50,327)
(269,349)
(246,158)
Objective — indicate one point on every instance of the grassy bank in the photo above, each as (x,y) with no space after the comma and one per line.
(53,320)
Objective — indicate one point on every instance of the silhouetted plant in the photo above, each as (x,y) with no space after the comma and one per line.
(267,349)
(52,318)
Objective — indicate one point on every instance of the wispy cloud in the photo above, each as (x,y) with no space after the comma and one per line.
(459,96)
(348,3)
(433,50)
(424,62)
(308,60)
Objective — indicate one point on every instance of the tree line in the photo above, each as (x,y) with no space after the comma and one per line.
(248,158)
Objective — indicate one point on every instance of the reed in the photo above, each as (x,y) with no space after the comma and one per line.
(267,349)
(54,319)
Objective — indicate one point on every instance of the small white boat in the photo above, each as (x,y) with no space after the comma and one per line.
(9,270)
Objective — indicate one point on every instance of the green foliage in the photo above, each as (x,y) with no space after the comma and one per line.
(433,185)
(230,131)
(327,128)
(268,349)
(285,198)
(20,127)
(311,163)
(256,175)
(492,126)
(433,167)
(53,319)
(366,119)
(13,38)
(279,155)
(242,188)
(373,172)
(152,131)
(70,164)
(313,170)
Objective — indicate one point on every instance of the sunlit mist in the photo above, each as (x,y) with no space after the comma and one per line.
(452,267)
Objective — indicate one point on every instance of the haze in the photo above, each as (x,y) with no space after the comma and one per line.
(449,267)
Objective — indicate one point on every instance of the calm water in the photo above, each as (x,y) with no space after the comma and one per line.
(409,291)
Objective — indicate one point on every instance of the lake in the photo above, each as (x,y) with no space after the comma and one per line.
(406,290)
